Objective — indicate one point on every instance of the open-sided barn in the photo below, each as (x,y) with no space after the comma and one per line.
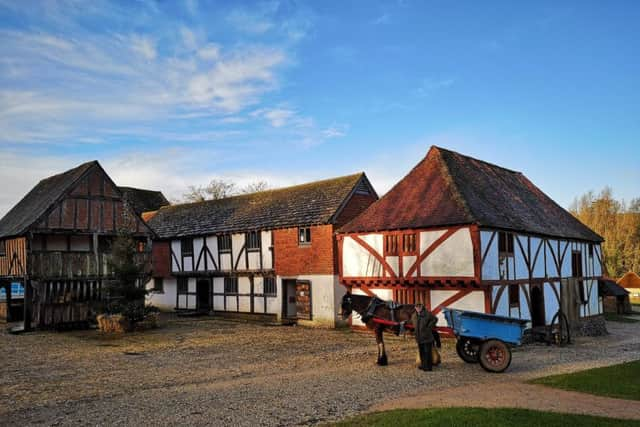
(464,233)
(56,242)
(268,255)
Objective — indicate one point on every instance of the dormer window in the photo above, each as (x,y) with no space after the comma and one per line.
(224,243)
(391,244)
(252,240)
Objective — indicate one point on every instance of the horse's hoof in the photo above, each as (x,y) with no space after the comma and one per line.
(383,361)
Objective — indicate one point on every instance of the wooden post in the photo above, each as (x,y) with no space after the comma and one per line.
(7,288)
(28,301)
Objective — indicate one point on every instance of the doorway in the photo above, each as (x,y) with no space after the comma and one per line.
(289,310)
(537,306)
(203,295)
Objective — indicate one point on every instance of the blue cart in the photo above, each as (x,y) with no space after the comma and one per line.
(485,338)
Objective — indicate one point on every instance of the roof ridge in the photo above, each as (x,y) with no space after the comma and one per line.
(476,159)
(273,190)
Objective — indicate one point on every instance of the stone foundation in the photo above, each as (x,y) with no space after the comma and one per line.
(593,326)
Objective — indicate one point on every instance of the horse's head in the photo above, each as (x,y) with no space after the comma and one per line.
(346,306)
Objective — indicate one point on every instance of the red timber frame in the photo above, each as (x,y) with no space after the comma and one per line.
(410,285)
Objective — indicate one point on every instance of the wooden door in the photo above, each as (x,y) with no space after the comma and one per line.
(303,300)
(202,295)
(537,306)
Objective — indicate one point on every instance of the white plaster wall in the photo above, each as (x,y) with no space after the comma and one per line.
(551,250)
(490,265)
(407,263)
(427,238)
(254,260)
(594,298)
(198,244)
(519,257)
(524,307)
(597,266)
(566,262)
(325,290)
(237,243)
(454,257)
(267,257)
(218,284)
(551,303)
(474,301)
(165,301)
(538,267)
(502,306)
(212,244)
(175,248)
(357,261)
(394,262)
(225,261)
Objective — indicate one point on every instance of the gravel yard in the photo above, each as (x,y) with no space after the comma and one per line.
(218,372)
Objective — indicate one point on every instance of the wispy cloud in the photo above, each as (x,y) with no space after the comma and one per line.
(382,19)
(430,85)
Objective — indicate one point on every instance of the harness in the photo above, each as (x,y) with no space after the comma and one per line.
(392,306)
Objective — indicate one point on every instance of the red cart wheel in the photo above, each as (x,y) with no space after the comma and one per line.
(495,356)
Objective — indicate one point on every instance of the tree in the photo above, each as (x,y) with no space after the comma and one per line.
(618,224)
(219,189)
(255,187)
(126,296)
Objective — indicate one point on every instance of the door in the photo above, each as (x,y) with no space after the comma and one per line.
(203,295)
(303,300)
(289,299)
(537,306)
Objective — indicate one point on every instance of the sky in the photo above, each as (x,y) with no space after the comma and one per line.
(167,94)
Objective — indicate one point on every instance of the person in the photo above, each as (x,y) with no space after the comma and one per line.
(423,322)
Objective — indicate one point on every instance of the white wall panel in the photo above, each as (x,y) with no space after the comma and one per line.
(427,238)
(212,244)
(175,248)
(566,262)
(407,263)
(551,250)
(524,307)
(198,244)
(538,266)
(490,265)
(237,245)
(357,261)
(226,263)
(267,255)
(551,303)
(454,257)
(521,270)
(254,260)
(502,306)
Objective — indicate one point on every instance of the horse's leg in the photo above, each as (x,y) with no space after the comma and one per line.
(382,355)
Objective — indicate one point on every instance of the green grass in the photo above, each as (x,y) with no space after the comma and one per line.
(621,381)
(613,317)
(444,417)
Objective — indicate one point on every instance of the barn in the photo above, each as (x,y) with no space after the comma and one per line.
(55,244)
(268,256)
(463,233)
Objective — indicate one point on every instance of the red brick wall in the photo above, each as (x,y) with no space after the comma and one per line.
(292,259)
(353,208)
(161,257)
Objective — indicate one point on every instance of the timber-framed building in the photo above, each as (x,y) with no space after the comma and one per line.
(269,255)
(463,233)
(56,243)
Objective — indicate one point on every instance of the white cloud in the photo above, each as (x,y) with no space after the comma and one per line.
(210,52)
(334,131)
(382,19)
(144,46)
(278,117)
(430,85)
(189,38)
(248,22)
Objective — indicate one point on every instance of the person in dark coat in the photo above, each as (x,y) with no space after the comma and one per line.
(423,322)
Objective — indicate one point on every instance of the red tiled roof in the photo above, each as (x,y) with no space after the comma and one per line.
(447,188)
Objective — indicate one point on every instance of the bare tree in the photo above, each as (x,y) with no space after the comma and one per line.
(254,187)
(219,189)
(216,189)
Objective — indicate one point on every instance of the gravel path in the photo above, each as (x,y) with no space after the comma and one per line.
(212,372)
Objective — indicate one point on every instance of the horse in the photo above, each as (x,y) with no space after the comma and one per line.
(362,305)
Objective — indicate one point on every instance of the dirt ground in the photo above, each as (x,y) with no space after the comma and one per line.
(214,372)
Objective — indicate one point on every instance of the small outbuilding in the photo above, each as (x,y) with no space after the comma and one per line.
(615,298)
(631,282)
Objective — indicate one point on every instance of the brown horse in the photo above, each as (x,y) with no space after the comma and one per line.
(369,308)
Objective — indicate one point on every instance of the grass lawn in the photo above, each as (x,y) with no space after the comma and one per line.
(480,417)
(621,381)
(613,317)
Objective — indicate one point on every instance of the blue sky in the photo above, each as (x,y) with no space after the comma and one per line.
(168,94)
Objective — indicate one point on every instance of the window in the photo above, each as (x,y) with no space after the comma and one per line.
(505,243)
(142,246)
(230,285)
(590,250)
(514,296)
(186,247)
(183,285)
(391,244)
(224,243)
(270,286)
(3,248)
(252,240)
(304,235)
(409,243)
(158,284)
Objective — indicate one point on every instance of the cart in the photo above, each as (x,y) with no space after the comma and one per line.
(485,338)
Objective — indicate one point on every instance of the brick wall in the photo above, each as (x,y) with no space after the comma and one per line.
(292,259)
(353,208)
(161,255)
